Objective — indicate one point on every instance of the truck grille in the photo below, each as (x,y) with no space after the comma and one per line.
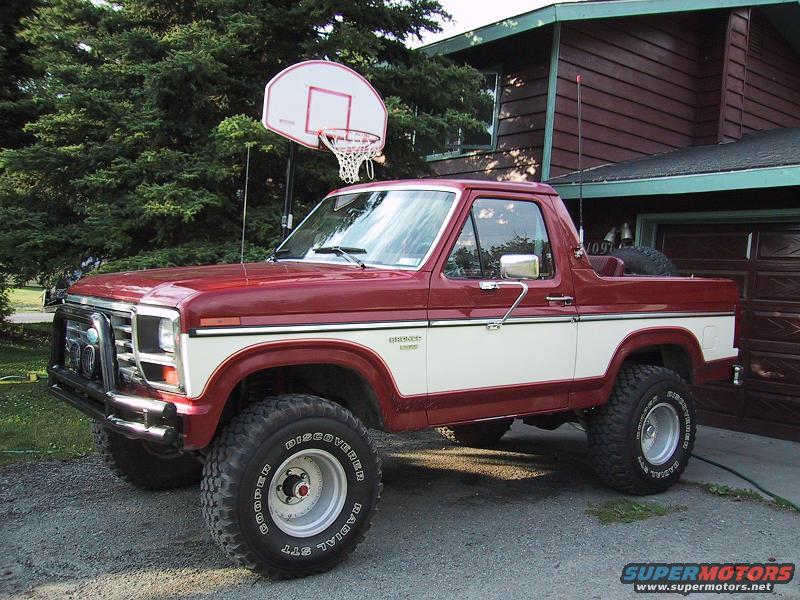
(123,347)
(77,342)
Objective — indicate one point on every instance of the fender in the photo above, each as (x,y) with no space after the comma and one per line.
(594,391)
(397,411)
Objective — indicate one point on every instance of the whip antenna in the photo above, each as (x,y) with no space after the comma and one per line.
(244,211)
(580,161)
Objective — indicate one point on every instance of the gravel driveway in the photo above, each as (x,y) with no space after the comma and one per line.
(452,523)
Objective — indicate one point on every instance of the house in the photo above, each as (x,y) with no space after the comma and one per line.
(690,134)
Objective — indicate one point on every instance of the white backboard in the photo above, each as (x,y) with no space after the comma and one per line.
(317,94)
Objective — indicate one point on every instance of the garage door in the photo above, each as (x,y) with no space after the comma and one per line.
(764,260)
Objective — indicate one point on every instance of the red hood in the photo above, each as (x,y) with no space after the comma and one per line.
(172,285)
(160,286)
(264,292)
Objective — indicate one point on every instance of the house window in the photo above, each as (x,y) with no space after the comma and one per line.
(461,141)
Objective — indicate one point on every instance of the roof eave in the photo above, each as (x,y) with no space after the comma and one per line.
(766,177)
(579,11)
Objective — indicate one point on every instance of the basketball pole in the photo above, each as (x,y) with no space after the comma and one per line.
(286,219)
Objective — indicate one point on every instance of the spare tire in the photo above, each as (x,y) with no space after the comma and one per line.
(641,260)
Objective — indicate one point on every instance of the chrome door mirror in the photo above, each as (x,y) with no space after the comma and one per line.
(519,266)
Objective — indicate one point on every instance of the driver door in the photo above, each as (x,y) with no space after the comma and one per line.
(476,368)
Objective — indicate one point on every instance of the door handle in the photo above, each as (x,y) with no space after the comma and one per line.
(567,300)
(495,285)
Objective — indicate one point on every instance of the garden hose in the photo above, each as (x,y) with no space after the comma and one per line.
(758,486)
(29,377)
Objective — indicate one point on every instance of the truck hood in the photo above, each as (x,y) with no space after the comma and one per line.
(262,293)
(172,285)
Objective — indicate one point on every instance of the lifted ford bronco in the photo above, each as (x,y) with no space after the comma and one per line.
(455,305)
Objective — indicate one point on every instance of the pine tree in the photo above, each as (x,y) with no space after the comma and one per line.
(16,105)
(149,106)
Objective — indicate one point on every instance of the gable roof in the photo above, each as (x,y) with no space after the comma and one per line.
(760,159)
(580,11)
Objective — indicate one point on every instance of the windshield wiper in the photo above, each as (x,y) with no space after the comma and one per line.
(345,252)
(274,256)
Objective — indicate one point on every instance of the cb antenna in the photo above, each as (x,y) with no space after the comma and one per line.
(580,160)
(244,211)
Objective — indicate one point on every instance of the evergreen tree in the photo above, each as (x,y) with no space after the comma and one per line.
(138,156)
(16,105)
(16,72)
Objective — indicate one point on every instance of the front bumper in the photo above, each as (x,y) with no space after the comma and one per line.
(133,416)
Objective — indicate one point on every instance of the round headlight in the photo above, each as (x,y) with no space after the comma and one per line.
(166,335)
(89,361)
(74,351)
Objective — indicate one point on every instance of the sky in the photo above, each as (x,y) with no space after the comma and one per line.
(469,14)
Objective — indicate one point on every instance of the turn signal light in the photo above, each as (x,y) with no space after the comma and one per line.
(169,375)
(219,321)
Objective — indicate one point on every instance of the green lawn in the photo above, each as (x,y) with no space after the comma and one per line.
(34,425)
(26,299)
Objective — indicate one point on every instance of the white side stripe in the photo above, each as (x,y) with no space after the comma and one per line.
(325,327)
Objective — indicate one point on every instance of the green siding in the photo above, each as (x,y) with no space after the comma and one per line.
(684,184)
(552,87)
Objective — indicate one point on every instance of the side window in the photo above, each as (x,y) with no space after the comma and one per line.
(463,261)
(497,227)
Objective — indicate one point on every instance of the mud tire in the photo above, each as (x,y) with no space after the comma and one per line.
(243,466)
(616,429)
(642,260)
(145,466)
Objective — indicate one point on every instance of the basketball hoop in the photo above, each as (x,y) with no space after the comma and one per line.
(352,148)
(322,104)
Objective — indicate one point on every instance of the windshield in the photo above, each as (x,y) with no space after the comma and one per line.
(389,228)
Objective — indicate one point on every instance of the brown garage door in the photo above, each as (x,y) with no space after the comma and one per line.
(764,259)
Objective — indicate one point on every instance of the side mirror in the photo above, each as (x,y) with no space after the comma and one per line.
(519,266)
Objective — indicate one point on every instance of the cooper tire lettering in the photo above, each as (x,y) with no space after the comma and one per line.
(339,535)
(616,430)
(247,467)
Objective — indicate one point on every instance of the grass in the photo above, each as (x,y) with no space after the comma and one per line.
(786,504)
(743,493)
(34,425)
(24,348)
(625,510)
(26,299)
(737,493)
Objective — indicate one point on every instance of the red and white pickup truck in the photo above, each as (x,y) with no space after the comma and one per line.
(456,305)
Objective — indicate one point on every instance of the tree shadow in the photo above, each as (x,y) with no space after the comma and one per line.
(85,533)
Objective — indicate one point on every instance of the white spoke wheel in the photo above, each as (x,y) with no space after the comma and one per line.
(307,493)
(290,485)
(660,433)
(641,440)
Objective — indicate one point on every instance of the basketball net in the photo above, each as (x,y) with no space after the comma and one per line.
(352,148)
